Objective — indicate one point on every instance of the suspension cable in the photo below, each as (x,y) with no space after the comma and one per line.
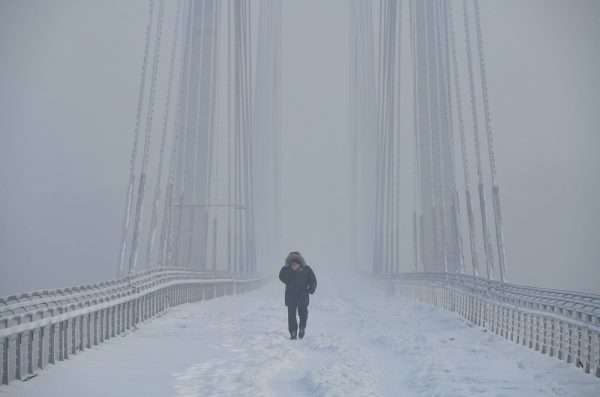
(482,203)
(130,188)
(465,161)
(150,115)
(165,248)
(166,112)
(491,155)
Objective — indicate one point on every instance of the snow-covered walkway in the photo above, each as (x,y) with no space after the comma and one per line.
(358,343)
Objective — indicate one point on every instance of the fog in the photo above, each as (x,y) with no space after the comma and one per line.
(316,142)
(69,81)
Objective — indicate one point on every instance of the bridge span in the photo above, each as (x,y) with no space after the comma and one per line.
(360,342)
(420,300)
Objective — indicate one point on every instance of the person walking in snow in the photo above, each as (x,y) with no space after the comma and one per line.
(299,280)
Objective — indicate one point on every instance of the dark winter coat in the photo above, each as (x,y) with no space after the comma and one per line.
(298,283)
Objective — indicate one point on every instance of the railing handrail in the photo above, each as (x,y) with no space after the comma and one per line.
(82,297)
(59,292)
(509,285)
(567,300)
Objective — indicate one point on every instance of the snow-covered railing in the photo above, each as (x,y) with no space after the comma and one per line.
(562,324)
(42,327)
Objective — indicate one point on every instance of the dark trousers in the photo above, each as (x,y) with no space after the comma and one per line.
(292,322)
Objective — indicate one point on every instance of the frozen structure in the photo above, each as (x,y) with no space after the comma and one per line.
(202,209)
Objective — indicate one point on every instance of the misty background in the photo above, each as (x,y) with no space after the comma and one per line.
(69,82)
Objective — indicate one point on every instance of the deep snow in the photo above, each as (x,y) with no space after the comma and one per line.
(359,343)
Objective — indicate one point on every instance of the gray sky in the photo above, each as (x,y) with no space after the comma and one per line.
(69,80)
(316,142)
(542,61)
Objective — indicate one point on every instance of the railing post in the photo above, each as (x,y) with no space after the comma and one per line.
(588,351)
(61,340)
(135,312)
(154,303)
(561,354)
(88,330)
(571,343)
(127,319)
(58,336)
(113,321)
(535,325)
(52,344)
(95,329)
(505,322)
(101,325)
(146,313)
(124,317)
(30,352)
(117,324)
(139,304)
(133,306)
(66,340)
(502,320)
(74,336)
(41,347)
(19,364)
(157,298)
(5,361)
(579,357)
(546,338)
(528,324)
(67,330)
(520,328)
(142,308)
(81,333)
(106,323)
(553,341)
(121,318)
(128,314)
(596,354)
(147,307)
(107,327)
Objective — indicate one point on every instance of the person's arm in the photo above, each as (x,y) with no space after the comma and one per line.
(285,274)
(312,281)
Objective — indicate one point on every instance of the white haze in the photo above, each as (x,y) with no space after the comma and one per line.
(69,80)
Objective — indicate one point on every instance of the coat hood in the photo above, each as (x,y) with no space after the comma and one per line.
(294,256)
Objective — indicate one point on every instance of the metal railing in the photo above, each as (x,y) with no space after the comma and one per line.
(43,327)
(561,324)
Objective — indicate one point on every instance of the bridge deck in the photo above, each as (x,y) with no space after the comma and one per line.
(358,343)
